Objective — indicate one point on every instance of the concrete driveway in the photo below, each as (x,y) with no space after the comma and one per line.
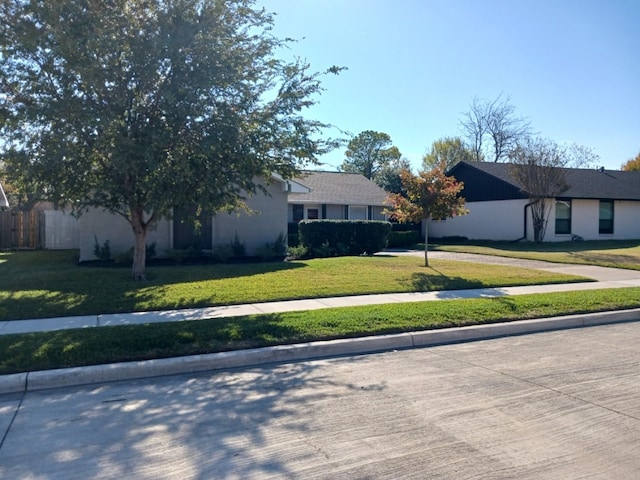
(563,404)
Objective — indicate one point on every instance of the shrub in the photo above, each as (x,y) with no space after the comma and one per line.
(297,252)
(238,248)
(102,252)
(222,253)
(277,249)
(404,238)
(126,258)
(325,238)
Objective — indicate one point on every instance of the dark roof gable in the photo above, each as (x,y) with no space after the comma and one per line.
(485,181)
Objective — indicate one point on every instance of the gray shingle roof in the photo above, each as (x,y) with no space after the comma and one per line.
(338,188)
(583,182)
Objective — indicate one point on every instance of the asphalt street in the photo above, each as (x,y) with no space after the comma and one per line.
(561,404)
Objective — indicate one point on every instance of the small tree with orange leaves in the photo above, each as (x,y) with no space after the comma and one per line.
(428,195)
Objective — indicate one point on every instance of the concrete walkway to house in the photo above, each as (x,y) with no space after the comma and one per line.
(605,278)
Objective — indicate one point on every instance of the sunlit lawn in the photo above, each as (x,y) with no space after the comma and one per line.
(619,254)
(48,283)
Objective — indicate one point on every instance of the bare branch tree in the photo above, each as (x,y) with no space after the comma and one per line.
(492,129)
(538,168)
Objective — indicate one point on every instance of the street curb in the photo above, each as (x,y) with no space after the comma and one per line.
(66,377)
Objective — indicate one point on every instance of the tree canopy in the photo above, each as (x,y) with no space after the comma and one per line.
(140,106)
(431,194)
(447,152)
(370,153)
(633,164)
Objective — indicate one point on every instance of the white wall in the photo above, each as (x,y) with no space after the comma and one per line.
(97,223)
(504,220)
(268,220)
(494,220)
(585,217)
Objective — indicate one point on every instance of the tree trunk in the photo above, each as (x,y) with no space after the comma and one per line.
(140,244)
(426,242)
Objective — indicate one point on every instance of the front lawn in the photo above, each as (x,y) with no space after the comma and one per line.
(617,254)
(44,284)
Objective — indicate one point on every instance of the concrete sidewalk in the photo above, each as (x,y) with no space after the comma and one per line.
(606,278)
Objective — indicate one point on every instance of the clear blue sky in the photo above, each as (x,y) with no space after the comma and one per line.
(572,67)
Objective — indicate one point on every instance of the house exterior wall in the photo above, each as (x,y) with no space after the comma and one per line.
(268,220)
(337,212)
(504,220)
(101,225)
(491,220)
(585,216)
(264,225)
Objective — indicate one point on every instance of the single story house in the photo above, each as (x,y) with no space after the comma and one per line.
(599,204)
(336,196)
(264,224)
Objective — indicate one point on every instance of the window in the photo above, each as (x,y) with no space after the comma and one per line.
(563,217)
(312,214)
(606,216)
(357,213)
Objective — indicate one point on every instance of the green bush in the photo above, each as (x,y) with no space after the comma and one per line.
(325,238)
(404,238)
(126,258)
(102,252)
(277,249)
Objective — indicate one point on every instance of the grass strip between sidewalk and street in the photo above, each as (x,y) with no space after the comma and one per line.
(92,346)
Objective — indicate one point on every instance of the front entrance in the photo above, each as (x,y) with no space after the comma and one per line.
(185,233)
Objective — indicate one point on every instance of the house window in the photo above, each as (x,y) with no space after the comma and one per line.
(312,214)
(298,213)
(357,213)
(563,217)
(606,217)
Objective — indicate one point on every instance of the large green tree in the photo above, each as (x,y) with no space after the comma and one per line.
(140,106)
(370,153)
(447,152)
(431,194)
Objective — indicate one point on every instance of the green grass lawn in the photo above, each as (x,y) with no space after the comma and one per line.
(619,254)
(68,348)
(44,284)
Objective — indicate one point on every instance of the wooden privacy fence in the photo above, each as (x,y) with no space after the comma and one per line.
(21,229)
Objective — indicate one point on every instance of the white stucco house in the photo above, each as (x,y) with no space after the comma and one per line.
(267,221)
(599,204)
(336,196)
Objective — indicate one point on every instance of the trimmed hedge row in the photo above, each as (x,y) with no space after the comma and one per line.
(326,238)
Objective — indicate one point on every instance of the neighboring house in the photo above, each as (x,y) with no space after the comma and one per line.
(266,221)
(598,205)
(336,196)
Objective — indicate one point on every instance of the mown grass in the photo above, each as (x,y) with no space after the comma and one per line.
(79,347)
(617,254)
(45,284)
